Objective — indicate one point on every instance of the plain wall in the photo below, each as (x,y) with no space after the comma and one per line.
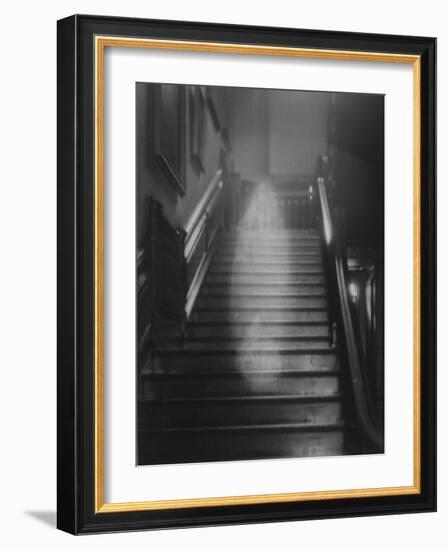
(28,277)
(152,180)
(277,133)
(249,132)
(298,131)
(359,164)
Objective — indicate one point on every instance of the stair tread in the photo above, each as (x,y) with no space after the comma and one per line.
(261,238)
(251,351)
(256,261)
(221,280)
(244,362)
(286,398)
(267,248)
(274,244)
(272,232)
(262,308)
(274,240)
(234,271)
(273,294)
(262,323)
(229,373)
(302,426)
(228,413)
(256,317)
(268,258)
(280,287)
(257,300)
(248,340)
(254,327)
(237,445)
(221,346)
(237,252)
(263,290)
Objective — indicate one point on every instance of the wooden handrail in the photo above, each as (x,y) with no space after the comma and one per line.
(326,216)
(354,363)
(202,204)
(202,230)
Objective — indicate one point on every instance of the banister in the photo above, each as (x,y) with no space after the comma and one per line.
(336,258)
(359,390)
(326,216)
(202,231)
(170,292)
(195,217)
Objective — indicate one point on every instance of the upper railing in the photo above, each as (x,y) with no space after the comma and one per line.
(275,205)
(341,320)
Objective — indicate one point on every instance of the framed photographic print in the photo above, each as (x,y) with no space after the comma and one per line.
(246,274)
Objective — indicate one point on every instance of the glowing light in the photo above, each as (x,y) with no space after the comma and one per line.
(353,290)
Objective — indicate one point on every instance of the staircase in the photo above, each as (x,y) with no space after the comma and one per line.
(255,376)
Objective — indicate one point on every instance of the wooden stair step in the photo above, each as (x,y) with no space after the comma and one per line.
(254,428)
(241,330)
(308,279)
(239,443)
(278,289)
(271,240)
(318,315)
(273,269)
(268,262)
(250,344)
(226,384)
(262,235)
(237,411)
(281,247)
(235,254)
(272,244)
(272,300)
(256,258)
(242,361)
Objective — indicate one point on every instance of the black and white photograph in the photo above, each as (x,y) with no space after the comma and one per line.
(222,242)
(259,273)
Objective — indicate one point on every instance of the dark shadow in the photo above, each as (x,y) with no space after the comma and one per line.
(48,517)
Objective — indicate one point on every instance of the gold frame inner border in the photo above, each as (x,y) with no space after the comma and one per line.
(100,44)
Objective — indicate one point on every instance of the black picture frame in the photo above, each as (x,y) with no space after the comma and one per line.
(77,492)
